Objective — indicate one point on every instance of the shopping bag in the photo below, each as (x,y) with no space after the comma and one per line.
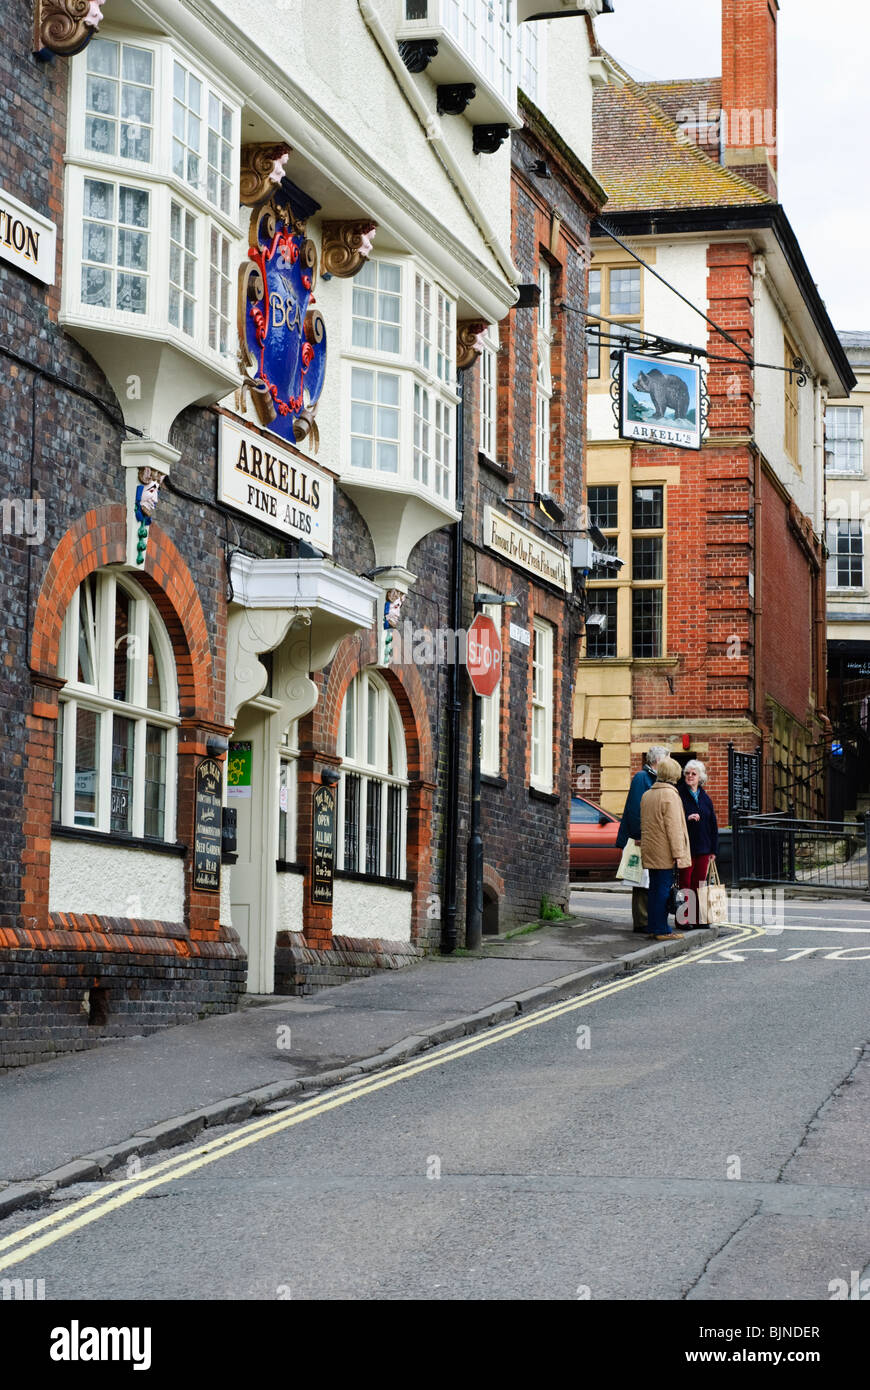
(712,900)
(631,865)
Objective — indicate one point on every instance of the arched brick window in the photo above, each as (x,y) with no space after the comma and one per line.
(116,746)
(372,794)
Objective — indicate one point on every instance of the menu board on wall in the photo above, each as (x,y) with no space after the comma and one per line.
(207,827)
(323,845)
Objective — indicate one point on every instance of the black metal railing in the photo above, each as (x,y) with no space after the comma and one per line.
(780,848)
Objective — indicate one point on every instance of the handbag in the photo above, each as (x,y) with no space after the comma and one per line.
(712,899)
(631,865)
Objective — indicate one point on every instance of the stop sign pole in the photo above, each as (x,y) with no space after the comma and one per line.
(483,664)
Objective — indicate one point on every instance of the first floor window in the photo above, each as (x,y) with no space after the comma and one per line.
(844,439)
(846,557)
(601,623)
(542,707)
(544,380)
(647,570)
(373,791)
(116,734)
(182,267)
(374,420)
(115,246)
(489,393)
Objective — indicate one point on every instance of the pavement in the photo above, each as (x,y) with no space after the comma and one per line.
(88,1114)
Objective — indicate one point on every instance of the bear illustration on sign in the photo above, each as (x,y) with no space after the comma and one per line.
(667,392)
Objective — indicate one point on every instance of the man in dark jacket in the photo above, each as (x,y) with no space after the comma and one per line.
(629,827)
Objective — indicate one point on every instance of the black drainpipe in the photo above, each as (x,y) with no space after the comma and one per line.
(451,816)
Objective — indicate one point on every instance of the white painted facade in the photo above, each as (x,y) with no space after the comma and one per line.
(109,881)
(371,910)
(289,901)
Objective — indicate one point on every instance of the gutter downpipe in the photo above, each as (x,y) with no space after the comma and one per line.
(451,814)
(434,134)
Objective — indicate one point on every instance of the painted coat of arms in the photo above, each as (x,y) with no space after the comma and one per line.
(282,334)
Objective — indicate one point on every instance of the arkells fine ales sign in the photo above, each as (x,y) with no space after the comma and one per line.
(207,827)
(272,485)
(323,845)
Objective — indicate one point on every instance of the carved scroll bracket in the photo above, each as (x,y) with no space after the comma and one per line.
(261,172)
(64,26)
(346,247)
(469,341)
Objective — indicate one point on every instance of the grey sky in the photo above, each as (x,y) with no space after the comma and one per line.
(824,114)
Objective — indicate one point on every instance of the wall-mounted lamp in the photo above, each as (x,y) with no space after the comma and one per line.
(330,776)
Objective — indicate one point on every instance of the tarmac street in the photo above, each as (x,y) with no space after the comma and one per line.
(694,1130)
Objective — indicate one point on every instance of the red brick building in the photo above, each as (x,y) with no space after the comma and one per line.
(714,629)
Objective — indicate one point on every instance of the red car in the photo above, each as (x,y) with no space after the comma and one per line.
(592,840)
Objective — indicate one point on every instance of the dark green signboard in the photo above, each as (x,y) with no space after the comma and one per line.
(323,845)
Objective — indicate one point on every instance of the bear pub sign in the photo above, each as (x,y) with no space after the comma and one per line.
(660,402)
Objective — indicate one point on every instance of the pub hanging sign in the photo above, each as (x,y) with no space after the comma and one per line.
(207,831)
(658,401)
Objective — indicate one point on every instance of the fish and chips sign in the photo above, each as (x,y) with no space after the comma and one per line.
(518,545)
(660,401)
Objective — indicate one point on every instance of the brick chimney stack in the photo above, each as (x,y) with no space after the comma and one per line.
(749,108)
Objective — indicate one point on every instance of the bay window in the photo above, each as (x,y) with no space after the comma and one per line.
(116,740)
(400,377)
(152,177)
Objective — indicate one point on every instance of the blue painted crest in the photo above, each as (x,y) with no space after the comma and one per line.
(284,336)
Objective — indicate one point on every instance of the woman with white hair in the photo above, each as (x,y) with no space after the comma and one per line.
(703,832)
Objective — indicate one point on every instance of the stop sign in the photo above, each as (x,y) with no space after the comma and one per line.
(483,655)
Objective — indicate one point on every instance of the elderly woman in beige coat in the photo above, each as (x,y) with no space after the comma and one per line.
(664,840)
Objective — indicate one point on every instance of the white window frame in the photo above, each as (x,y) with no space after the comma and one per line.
(543,380)
(368,760)
(834,535)
(98,698)
(489,393)
(288,776)
(484,31)
(532,60)
(490,710)
(425,368)
(831,437)
(542,706)
(155,176)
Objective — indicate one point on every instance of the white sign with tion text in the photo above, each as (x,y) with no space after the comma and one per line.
(27,239)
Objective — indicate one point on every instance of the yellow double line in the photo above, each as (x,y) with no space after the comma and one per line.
(117,1193)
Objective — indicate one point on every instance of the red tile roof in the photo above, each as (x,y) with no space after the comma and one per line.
(645,161)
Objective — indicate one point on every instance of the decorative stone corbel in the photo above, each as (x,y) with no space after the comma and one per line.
(64,26)
(346,247)
(469,341)
(251,632)
(486,139)
(146,464)
(262,170)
